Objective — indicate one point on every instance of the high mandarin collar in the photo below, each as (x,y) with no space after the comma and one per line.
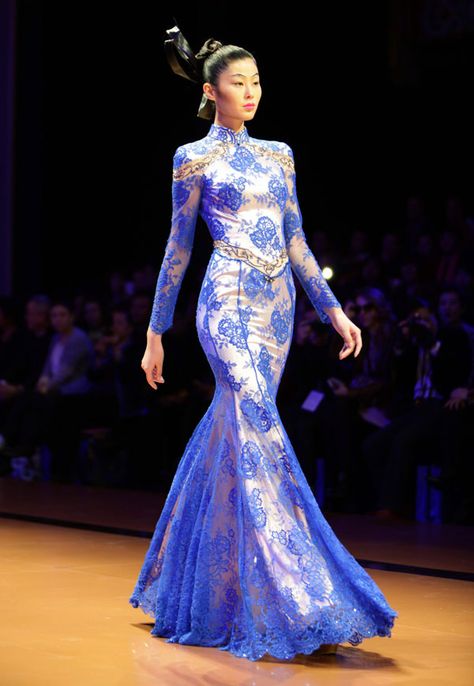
(228,135)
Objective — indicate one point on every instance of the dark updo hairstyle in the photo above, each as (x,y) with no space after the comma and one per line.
(216,57)
(205,66)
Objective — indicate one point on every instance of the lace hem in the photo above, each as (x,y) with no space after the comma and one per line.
(335,625)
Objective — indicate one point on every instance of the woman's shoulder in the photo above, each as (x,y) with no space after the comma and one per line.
(274,145)
(192,151)
(278,150)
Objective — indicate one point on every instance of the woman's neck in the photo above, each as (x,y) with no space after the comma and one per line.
(230,125)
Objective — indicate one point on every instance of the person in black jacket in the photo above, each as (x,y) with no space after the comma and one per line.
(431,362)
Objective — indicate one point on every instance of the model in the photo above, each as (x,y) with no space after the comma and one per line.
(242,557)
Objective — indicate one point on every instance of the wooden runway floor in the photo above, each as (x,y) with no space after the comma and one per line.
(70,556)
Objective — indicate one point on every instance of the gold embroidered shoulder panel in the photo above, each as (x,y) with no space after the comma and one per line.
(197,165)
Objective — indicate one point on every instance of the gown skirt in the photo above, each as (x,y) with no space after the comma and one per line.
(242,557)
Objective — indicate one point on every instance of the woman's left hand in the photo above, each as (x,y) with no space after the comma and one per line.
(348,330)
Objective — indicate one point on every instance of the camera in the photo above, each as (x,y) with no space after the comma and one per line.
(421,334)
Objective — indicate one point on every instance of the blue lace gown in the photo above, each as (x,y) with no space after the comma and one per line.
(242,557)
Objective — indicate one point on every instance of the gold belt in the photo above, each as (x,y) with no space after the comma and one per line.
(269,269)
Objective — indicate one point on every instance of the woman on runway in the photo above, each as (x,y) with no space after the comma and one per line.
(242,557)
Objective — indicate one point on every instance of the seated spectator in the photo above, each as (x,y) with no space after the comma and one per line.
(117,367)
(456,434)
(456,438)
(38,337)
(430,363)
(11,367)
(70,355)
(370,379)
(451,309)
(50,412)
(362,391)
(11,341)
(92,320)
(22,367)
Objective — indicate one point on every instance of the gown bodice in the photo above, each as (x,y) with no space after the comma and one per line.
(244,188)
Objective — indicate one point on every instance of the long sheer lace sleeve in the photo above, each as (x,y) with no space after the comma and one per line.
(186,196)
(302,259)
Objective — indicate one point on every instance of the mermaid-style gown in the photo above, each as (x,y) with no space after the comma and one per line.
(242,557)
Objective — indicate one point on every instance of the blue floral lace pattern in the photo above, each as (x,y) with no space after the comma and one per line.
(302,258)
(242,557)
(245,190)
(186,195)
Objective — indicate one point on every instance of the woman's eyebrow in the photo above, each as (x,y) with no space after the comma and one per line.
(256,74)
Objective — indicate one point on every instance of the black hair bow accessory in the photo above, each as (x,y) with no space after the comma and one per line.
(176,48)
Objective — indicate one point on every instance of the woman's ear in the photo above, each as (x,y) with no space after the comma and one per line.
(208,91)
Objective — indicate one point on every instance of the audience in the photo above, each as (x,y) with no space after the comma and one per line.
(432,365)
(69,368)
(49,410)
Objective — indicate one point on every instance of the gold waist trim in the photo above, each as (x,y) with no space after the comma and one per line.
(269,269)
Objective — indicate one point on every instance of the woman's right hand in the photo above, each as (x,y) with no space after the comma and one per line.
(152,361)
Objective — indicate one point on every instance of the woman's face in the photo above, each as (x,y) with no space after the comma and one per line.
(238,85)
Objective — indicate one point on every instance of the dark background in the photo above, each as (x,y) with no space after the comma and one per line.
(372,97)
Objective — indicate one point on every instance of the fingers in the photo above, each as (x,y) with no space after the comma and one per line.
(149,378)
(346,350)
(358,337)
(152,376)
(352,342)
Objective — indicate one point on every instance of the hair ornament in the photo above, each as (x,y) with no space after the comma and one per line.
(177,48)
